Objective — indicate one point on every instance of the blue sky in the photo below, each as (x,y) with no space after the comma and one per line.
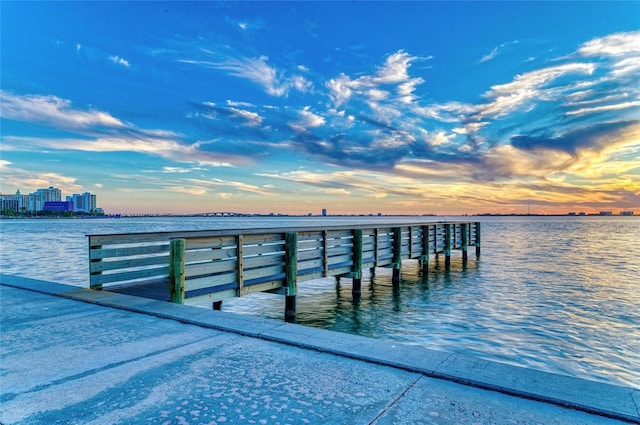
(357,107)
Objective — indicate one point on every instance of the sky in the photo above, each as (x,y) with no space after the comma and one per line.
(290,107)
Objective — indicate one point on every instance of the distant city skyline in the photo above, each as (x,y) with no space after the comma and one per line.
(409,108)
(37,201)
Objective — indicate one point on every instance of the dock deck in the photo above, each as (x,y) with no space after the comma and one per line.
(72,355)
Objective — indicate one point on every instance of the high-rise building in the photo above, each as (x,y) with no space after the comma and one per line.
(16,202)
(40,196)
(85,202)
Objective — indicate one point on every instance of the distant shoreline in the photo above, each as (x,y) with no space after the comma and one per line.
(240,215)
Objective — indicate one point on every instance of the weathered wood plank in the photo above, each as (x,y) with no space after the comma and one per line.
(155,272)
(128,264)
(263,261)
(202,255)
(263,272)
(219,280)
(250,250)
(310,254)
(265,238)
(199,269)
(103,253)
(337,259)
(212,242)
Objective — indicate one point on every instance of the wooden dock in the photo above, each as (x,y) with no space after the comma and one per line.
(218,264)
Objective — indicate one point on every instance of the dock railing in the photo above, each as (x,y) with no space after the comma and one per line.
(218,264)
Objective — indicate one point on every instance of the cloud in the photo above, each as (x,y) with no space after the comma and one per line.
(340,192)
(14,178)
(490,55)
(527,89)
(306,120)
(100,132)
(258,71)
(196,191)
(614,45)
(173,170)
(394,72)
(496,51)
(54,111)
(119,61)
(240,186)
(604,108)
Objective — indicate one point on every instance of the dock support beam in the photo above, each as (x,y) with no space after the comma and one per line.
(397,255)
(447,246)
(425,249)
(356,268)
(464,230)
(478,240)
(176,271)
(291,278)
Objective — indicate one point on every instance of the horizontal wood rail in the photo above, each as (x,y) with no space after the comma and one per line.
(219,264)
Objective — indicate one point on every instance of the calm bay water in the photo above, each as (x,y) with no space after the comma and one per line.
(560,294)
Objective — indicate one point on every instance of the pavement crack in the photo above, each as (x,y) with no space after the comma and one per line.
(394,401)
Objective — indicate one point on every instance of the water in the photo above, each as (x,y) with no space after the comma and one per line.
(559,294)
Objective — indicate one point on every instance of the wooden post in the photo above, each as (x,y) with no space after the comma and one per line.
(447,246)
(92,285)
(465,241)
(325,254)
(375,248)
(478,239)
(356,267)
(176,270)
(425,249)
(291,279)
(397,255)
(239,265)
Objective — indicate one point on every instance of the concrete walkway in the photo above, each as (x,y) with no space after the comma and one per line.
(77,356)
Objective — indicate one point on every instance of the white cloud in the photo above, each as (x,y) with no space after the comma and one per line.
(339,89)
(168,169)
(54,111)
(119,61)
(196,191)
(490,55)
(165,148)
(395,71)
(233,103)
(306,120)
(258,71)
(604,108)
(496,51)
(526,89)
(252,119)
(439,138)
(620,44)
(216,182)
(32,179)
